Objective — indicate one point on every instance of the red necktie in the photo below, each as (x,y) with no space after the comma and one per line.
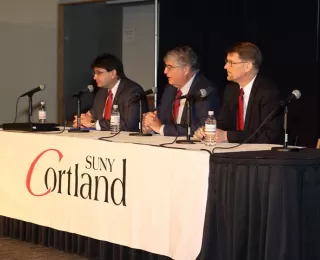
(107,108)
(176,106)
(240,119)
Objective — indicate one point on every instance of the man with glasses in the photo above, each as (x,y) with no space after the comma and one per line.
(115,88)
(248,100)
(184,77)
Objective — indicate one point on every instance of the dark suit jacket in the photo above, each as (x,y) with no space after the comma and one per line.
(199,112)
(264,98)
(127,103)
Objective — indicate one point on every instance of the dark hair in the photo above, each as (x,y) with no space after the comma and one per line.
(185,56)
(109,62)
(247,51)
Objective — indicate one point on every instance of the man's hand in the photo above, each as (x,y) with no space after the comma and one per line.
(221,136)
(85,120)
(199,134)
(145,127)
(89,113)
(151,121)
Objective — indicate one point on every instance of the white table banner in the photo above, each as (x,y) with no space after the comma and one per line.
(139,196)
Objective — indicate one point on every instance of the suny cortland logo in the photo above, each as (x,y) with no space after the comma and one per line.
(88,186)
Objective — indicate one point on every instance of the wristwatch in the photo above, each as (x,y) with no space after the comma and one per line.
(93,123)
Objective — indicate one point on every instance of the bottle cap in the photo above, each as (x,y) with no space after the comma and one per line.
(42,103)
(210,113)
(115,106)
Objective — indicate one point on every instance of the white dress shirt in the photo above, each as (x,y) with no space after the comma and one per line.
(114,91)
(246,95)
(184,90)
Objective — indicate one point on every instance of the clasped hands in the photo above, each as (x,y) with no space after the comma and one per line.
(151,122)
(85,120)
(221,136)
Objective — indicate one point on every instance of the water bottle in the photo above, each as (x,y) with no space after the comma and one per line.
(115,120)
(210,129)
(42,114)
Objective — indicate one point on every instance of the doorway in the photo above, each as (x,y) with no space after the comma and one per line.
(86,29)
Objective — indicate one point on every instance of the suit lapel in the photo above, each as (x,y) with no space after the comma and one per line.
(121,88)
(251,101)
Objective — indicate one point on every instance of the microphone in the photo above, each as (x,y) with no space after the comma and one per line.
(88,88)
(296,94)
(202,93)
(147,92)
(31,92)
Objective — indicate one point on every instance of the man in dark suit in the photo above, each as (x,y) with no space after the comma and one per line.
(184,77)
(115,88)
(248,100)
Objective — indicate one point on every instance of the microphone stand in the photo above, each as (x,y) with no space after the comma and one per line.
(188,130)
(285,147)
(140,133)
(30,108)
(78,129)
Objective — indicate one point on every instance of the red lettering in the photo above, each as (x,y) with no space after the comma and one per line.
(30,172)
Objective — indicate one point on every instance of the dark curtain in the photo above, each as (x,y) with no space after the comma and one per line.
(285,31)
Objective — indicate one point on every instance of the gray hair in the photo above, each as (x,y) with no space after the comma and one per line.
(184,56)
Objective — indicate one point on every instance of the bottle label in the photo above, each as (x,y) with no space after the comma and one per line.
(42,115)
(114,120)
(210,128)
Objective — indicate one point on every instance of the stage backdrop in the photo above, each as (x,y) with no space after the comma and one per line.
(286,32)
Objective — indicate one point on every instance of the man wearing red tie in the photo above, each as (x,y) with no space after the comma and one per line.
(115,88)
(184,77)
(247,100)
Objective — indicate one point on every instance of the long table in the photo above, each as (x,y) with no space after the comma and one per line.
(127,197)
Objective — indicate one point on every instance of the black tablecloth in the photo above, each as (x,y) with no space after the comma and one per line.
(263,206)
(90,248)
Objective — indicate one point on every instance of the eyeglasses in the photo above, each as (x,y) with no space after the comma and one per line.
(230,63)
(98,72)
(170,67)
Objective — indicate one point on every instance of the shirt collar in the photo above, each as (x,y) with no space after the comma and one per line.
(247,88)
(115,88)
(185,89)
